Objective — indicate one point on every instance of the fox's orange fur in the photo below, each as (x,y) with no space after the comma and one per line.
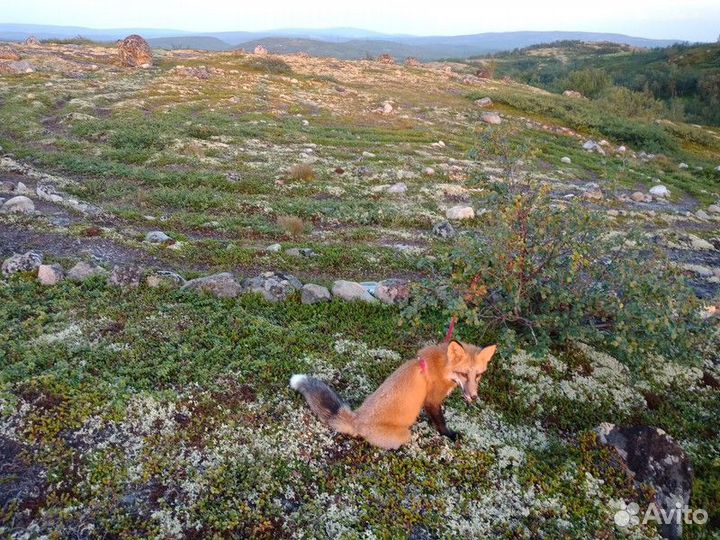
(385,417)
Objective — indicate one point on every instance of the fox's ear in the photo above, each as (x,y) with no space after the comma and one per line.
(455,353)
(486,354)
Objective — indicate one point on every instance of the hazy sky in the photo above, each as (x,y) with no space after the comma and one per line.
(693,20)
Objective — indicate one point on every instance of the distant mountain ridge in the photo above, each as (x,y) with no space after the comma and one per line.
(346,43)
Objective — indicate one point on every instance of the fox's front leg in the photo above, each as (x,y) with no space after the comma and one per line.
(437,417)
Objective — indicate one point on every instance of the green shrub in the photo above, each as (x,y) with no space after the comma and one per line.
(137,136)
(543,274)
(590,82)
(268,64)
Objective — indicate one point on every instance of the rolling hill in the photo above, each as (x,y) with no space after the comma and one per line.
(345,43)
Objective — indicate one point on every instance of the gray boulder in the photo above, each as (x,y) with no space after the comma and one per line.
(314,294)
(82,271)
(26,262)
(20,205)
(126,276)
(653,458)
(157,237)
(273,286)
(491,118)
(444,229)
(350,290)
(222,285)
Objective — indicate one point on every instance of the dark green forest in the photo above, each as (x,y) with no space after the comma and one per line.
(684,78)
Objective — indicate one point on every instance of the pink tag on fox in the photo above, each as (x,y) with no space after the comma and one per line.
(423,365)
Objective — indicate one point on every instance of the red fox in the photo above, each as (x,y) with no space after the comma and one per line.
(385,417)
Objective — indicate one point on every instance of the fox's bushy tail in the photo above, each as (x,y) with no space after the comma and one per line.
(329,407)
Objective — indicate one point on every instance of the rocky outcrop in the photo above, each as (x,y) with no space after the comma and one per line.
(26,262)
(16,67)
(652,457)
(134,51)
(386,59)
(273,286)
(8,53)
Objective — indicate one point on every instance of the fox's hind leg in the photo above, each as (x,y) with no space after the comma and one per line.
(387,436)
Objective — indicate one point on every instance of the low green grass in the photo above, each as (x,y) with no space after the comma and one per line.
(144,406)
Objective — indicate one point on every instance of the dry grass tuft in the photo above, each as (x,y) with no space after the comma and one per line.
(292,225)
(302,171)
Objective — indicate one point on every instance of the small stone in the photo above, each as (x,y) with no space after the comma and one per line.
(314,294)
(126,276)
(429,171)
(572,94)
(368,154)
(683,166)
(621,149)
(20,205)
(274,248)
(491,118)
(566,160)
(460,212)
(444,229)
(397,189)
(393,291)
(593,194)
(164,279)
(613,213)
(50,274)
(350,291)
(157,237)
(26,262)
(639,196)
(659,191)
(714,209)
(702,214)
(222,285)
(387,108)
(484,102)
(22,189)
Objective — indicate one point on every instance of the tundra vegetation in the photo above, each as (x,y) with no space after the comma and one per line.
(160,412)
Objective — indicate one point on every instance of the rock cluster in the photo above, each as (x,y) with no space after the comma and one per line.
(16,67)
(572,94)
(386,59)
(8,53)
(134,51)
(272,286)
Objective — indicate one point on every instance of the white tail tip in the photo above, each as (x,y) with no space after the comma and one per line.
(296,381)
